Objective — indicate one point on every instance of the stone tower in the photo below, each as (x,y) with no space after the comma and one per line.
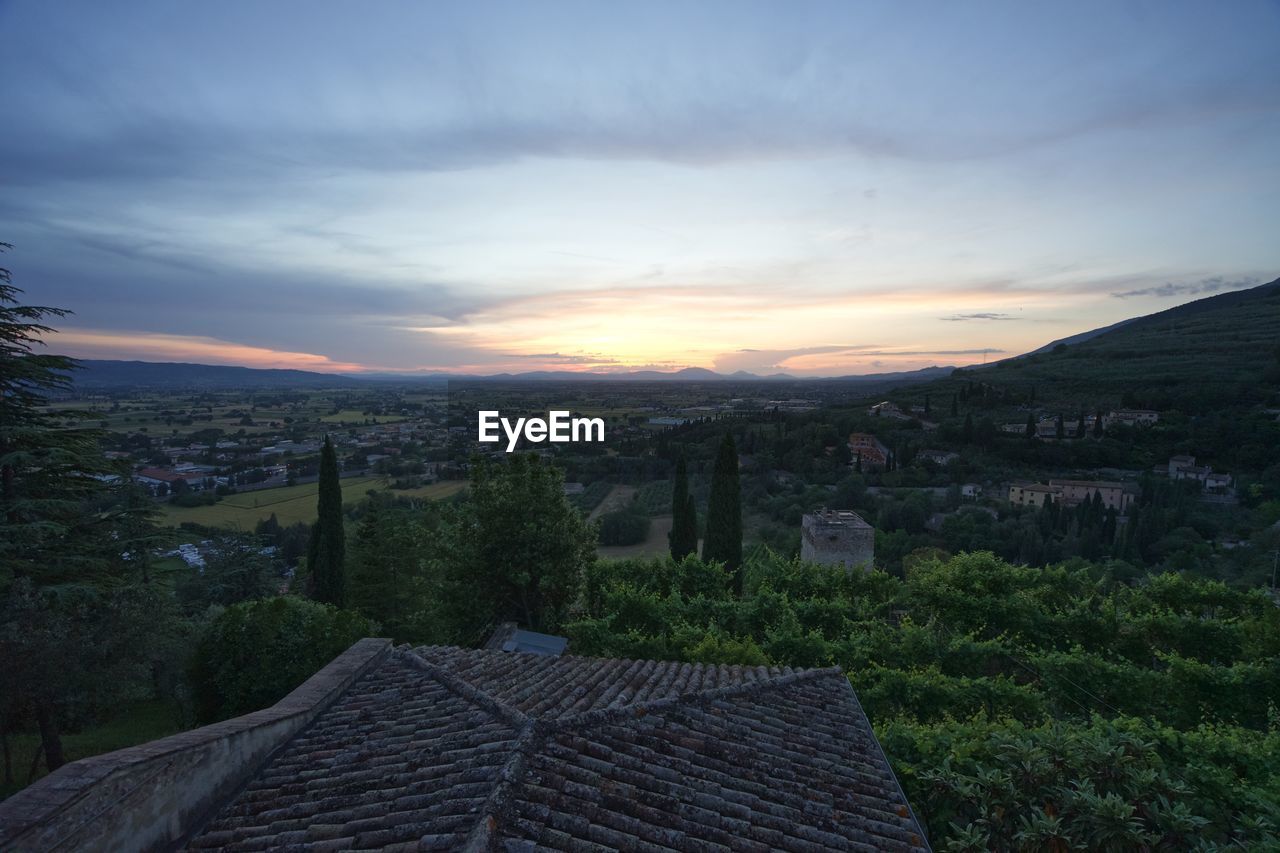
(837,537)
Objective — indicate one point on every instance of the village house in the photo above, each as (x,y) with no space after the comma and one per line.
(865,446)
(1130,417)
(1114,495)
(939,457)
(1031,494)
(1185,468)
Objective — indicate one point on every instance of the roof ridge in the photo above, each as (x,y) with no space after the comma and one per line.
(597,716)
(468,691)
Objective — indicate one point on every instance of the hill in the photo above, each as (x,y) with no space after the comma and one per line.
(96,373)
(1221,351)
(102,374)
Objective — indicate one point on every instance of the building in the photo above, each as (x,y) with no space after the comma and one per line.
(939,457)
(865,446)
(1031,494)
(837,537)
(1130,417)
(1114,495)
(971,491)
(441,748)
(1185,468)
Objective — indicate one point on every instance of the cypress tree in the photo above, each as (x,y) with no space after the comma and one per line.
(326,553)
(684,525)
(724,514)
(1059,430)
(1031,426)
(1097,424)
(967,432)
(955,409)
(1080,425)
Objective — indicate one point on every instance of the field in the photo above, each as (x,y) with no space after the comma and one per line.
(289,503)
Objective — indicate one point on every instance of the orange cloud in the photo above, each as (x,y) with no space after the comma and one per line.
(153,346)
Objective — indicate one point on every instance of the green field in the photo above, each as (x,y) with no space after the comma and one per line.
(290,503)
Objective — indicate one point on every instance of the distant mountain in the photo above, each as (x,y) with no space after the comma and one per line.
(100,374)
(104,374)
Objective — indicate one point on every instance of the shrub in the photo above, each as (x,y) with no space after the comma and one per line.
(252,654)
(623,527)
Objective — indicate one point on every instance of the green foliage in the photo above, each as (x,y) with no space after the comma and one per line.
(235,569)
(252,654)
(1022,708)
(684,515)
(624,527)
(723,542)
(326,554)
(517,550)
(390,578)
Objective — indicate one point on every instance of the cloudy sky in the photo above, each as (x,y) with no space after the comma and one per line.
(809,187)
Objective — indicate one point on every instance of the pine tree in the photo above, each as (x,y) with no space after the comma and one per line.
(723,542)
(684,524)
(326,554)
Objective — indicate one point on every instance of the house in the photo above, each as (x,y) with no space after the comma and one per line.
(971,491)
(837,538)
(442,748)
(939,457)
(1130,417)
(1031,494)
(574,488)
(888,410)
(1114,495)
(865,446)
(1185,468)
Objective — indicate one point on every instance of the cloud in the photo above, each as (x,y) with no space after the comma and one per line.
(561,358)
(1194,288)
(148,346)
(979,316)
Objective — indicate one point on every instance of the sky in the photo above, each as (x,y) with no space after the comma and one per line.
(810,188)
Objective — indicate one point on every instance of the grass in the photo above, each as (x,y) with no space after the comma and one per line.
(138,723)
(655,544)
(290,503)
(435,491)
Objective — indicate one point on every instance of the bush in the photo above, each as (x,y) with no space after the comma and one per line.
(623,527)
(252,654)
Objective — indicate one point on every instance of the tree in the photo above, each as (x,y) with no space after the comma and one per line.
(684,519)
(80,624)
(517,550)
(1059,431)
(723,542)
(1097,424)
(326,554)
(955,408)
(1031,426)
(254,653)
(235,569)
(967,431)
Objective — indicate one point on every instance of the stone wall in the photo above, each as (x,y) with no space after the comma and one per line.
(151,796)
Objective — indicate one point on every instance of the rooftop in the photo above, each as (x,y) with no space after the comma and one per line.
(441,748)
(445,748)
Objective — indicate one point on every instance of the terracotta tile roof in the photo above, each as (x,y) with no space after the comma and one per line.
(445,748)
